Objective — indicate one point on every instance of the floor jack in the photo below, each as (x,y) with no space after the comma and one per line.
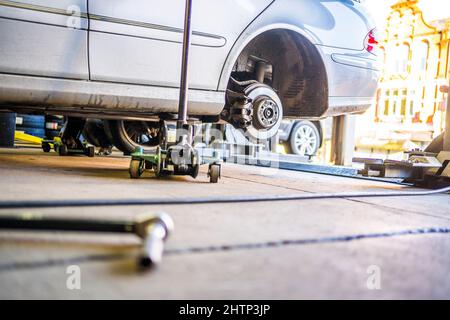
(70,143)
(177,159)
(180,158)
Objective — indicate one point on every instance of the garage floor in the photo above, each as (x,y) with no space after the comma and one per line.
(280,250)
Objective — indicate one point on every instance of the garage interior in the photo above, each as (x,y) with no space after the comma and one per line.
(272,227)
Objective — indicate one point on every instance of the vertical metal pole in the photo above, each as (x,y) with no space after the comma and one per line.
(336,140)
(183,101)
(343,140)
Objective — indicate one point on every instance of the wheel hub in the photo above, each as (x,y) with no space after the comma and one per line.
(266,113)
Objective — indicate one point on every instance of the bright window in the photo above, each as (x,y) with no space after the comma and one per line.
(421,58)
(402,59)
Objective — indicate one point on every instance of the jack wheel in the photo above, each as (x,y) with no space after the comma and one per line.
(136,168)
(63,150)
(195,170)
(90,152)
(158,167)
(46,147)
(214,173)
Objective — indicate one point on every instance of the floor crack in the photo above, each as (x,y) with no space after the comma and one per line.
(224,248)
(306,241)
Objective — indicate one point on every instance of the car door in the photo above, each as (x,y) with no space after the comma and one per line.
(44,38)
(140,41)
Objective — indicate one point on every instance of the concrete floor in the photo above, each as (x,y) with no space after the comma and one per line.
(282,250)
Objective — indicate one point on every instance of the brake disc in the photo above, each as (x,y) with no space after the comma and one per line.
(267,112)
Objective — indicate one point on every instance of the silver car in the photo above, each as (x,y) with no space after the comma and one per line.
(252,62)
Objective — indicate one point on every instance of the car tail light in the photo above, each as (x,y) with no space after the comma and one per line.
(371,42)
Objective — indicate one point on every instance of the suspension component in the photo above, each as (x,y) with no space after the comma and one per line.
(240,113)
(258,111)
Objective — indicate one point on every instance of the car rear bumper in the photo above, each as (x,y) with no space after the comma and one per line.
(352,79)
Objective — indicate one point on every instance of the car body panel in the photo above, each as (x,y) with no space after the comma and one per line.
(352,80)
(40,37)
(149,33)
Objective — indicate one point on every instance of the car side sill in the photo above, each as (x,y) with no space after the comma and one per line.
(93,97)
(345,105)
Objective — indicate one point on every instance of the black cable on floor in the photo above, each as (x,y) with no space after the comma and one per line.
(17,204)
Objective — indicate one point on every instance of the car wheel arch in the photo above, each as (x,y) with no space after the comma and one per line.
(297,101)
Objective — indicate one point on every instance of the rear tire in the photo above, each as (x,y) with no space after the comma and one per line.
(127,135)
(304,139)
(94,133)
